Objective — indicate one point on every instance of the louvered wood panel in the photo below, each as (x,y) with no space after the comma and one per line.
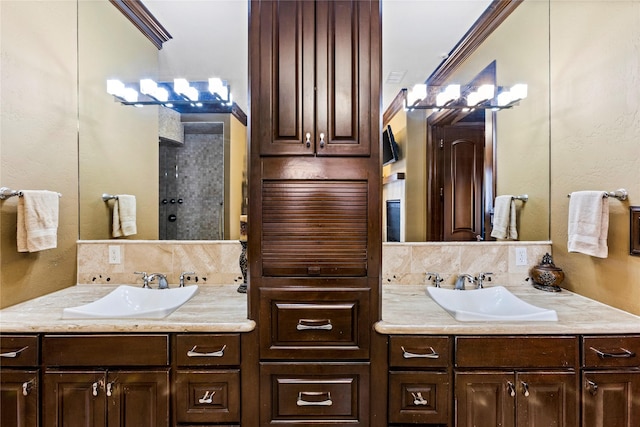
(314,227)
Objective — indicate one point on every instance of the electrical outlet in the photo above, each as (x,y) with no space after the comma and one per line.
(114,254)
(521,256)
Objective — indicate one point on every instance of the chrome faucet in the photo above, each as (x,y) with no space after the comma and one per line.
(435,277)
(460,281)
(145,278)
(162,280)
(481,278)
(184,273)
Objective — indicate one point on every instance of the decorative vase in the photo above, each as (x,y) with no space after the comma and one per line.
(546,276)
(243,267)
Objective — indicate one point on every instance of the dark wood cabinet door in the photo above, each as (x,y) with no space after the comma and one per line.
(547,399)
(314,228)
(463,154)
(485,399)
(19,398)
(611,398)
(138,398)
(74,399)
(311,80)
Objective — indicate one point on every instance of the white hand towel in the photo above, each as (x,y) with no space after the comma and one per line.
(589,223)
(504,218)
(124,216)
(37,220)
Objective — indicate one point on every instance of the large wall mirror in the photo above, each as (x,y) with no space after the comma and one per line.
(120,150)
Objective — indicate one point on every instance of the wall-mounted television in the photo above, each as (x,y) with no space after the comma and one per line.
(390,152)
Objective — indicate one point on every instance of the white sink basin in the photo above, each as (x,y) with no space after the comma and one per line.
(495,303)
(133,302)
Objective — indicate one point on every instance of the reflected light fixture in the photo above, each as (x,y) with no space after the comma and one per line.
(182,87)
(466,98)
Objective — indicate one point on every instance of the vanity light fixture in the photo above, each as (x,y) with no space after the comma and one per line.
(182,87)
(465,98)
(417,94)
(211,96)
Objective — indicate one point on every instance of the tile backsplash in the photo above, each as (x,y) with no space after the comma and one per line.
(216,262)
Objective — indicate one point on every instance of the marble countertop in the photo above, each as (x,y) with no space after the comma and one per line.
(212,309)
(410,310)
(405,310)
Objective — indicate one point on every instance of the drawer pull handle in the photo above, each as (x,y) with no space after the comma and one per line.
(94,388)
(314,394)
(418,399)
(592,387)
(310,324)
(110,389)
(308,140)
(511,388)
(525,389)
(625,354)
(14,354)
(408,355)
(207,398)
(194,353)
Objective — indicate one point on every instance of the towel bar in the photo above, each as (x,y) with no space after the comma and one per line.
(6,192)
(106,197)
(523,197)
(620,194)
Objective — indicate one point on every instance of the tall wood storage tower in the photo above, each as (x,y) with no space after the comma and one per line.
(315,216)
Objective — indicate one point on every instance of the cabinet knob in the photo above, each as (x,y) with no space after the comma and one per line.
(27,386)
(94,388)
(322,140)
(110,389)
(308,140)
(511,388)
(592,387)
(525,389)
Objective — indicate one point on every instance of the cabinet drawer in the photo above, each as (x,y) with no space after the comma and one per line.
(314,324)
(313,393)
(18,350)
(419,352)
(210,396)
(611,351)
(517,352)
(207,350)
(419,397)
(105,350)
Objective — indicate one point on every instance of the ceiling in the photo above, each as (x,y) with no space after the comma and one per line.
(210,39)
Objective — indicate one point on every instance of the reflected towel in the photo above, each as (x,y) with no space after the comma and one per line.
(37,220)
(124,216)
(589,223)
(504,218)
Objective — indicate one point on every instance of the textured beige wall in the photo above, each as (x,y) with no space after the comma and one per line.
(118,145)
(237,174)
(595,137)
(38,139)
(520,47)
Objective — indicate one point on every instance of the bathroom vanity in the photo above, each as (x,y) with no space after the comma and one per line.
(198,366)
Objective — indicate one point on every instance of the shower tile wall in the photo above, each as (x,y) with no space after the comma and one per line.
(192,173)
